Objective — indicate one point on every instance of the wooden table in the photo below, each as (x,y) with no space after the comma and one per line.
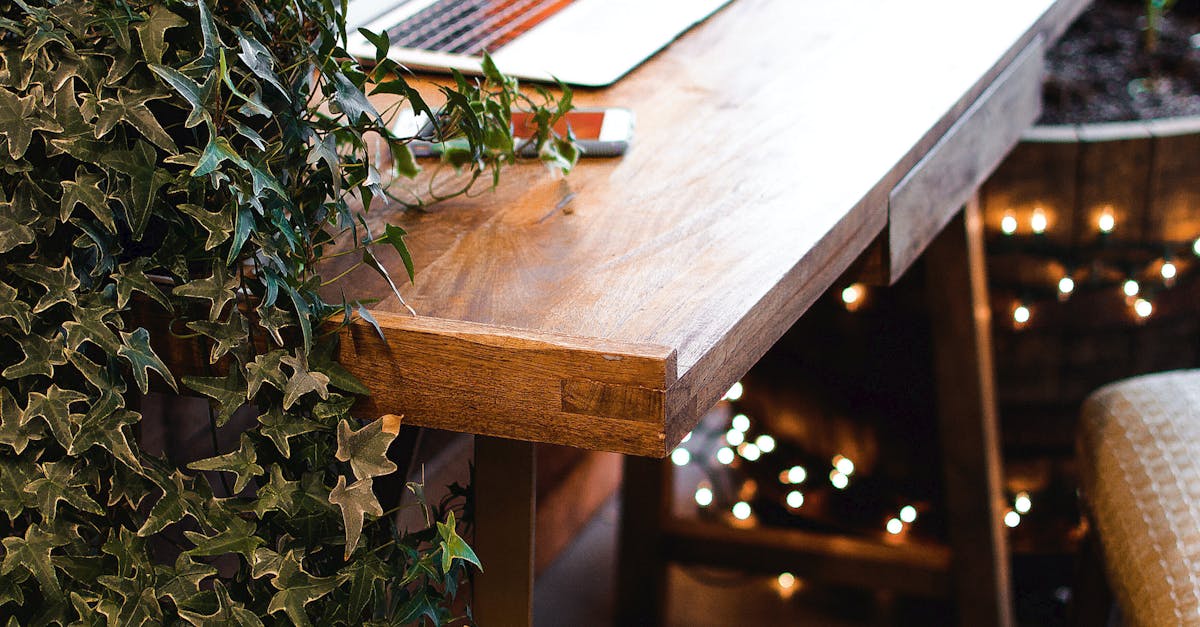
(776,144)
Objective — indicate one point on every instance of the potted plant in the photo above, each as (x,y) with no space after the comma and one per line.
(198,161)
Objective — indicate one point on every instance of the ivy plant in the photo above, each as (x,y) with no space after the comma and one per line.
(196,162)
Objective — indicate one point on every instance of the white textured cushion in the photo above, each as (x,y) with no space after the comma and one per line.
(1140,468)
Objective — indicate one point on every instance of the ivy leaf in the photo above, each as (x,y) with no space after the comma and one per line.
(61,481)
(182,582)
(237,537)
(302,380)
(266,368)
(54,407)
(379,40)
(13,431)
(355,501)
(152,31)
(89,326)
(229,335)
(454,547)
(85,190)
(228,612)
(395,236)
(145,178)
(352,101)
(41,355)
(18,122)
(366,449)
(131,277)
(218,224)
(14,476)
(240,462)
(130,107)
(175,503)
(274,320)
(296,587)
(139,604)
(228,391)
(216,152)
(105,426)
(365,573)
(258,58)
(278,494)
(13,309)
(217,288)
(279,427)
(32,553)
(60,283)
(136,348)
(197,95)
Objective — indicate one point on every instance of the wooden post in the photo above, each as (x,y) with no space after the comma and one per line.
(641,565)
(956,285)
(505,502)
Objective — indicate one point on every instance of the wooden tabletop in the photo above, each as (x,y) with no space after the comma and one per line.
(610,308)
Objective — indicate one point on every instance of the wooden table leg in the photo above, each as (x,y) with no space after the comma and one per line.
(641,565)
(956,283)
(505,501)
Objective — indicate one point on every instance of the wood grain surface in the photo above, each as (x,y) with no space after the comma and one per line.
(768,140)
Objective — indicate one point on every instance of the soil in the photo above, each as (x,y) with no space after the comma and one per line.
(1100,72)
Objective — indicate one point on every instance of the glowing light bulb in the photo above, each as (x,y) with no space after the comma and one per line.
(795,499)
(1011,519)
(843,465)
(852,295)
(786,580)
(765,443)
(741,423)
(704,497)
(734,437)
(1131,288)
(741,510)
(838,480)
(1037,222)
(1143,308)
(1196,247)
(795,474)
(894,526)
(1008,224)
(680,456)
(750,451)
(1066,285)
(735,392)
(1106,222)
(908,513)
(725,455)
(686,438)
(1021,314)
(1168,271)
(1022,503)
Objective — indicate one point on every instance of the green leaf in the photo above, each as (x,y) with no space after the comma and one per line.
(130,107)
(355,501)
(236,537)
(228,612)
(182,582)
(274,320)
(218,224)
(229,335)
(454,547)
(366,449)
(32,553)
(278,494)
(196,95)
(60,283)
(61,481)
(217,151)
(131,277)
(137,350)
(217,288)
(365,573)
(139,605)
(228,391)
(353,102)
(104,425)
(41,355)
(296,587)
(13,309)
(175,503)
(240,462)
(266,368)
(90,325)
(18,122)
(395,236)
(152,31)
(258,58)
(145,179)
(15,474)
(379,40)
(13,431)
(279,427)
(85,190)
(54,407)
(303,380)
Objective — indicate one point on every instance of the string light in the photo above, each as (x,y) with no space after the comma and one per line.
(794,499)
(750,451)
(680,456)
(1037,222)
(1131,288)
(686,438)
(1143,308)
(1066,285)
(1106,222)
(793,475)
(725,455)
(741,423)
(735,392)
(1008,224)
(734,437)
(1022,503)
(838,480)
(1196,247)
(1011,519)
(741,510)
(843,465)
(852,296)
(704,496)
(1021,314)
(1168,271)
(786,581)
(894,526)
(908,513)
(765,443)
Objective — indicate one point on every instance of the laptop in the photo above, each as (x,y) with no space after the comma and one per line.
(590,43)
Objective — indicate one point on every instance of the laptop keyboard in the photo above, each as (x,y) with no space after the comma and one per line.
(471,27)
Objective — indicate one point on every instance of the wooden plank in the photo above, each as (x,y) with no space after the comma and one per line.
(932,193)
(593,394)
(1040,173)
(920,569)
(505,514)
(1175,180)
(641,562)
(1114,176)
(956,286)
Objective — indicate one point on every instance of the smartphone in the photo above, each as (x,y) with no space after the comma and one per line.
(599,132)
